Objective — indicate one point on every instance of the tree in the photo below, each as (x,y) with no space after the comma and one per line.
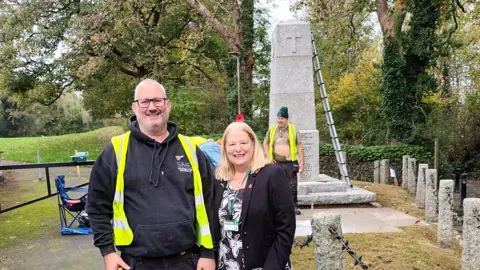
(53,46)
(234,22)
(414,36)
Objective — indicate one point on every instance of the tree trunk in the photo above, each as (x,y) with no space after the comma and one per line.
(239,39)
(247,32)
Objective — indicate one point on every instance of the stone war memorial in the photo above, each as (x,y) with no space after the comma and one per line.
(292,85)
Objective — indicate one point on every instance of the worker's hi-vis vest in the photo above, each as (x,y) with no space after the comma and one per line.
(292,136)
(122,232)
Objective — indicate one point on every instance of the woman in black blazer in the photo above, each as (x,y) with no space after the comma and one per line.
(255,220)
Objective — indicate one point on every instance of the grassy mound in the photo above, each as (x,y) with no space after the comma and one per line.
(57,148)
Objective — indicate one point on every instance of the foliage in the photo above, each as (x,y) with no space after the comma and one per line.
(349,55)
(195,112)
(234,21)
(372,153)
(415,33)
(407,57)
(356,103)
(456,126)
(22,118)
(261,81)
(102,49)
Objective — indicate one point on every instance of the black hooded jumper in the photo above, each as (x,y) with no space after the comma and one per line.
(159,199)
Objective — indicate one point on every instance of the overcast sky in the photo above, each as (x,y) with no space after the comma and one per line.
(279,11)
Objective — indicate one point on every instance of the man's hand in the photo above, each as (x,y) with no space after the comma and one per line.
(300,167)
(113,262)
(206,264)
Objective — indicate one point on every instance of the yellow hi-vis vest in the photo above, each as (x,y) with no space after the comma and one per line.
(122,232)
(292,136)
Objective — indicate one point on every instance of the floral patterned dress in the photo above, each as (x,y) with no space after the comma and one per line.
(230,250)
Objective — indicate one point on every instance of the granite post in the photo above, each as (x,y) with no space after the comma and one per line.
(328,250)
(412,183)
(420,197)
(376,171)
(384,171)
(471,234)
(405,171)
(431,200)
(445,214)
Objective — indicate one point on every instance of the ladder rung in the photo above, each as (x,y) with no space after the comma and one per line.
(342,166)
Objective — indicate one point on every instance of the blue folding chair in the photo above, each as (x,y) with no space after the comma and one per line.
(71,210)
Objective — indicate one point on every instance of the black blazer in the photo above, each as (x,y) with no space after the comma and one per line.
(268,219)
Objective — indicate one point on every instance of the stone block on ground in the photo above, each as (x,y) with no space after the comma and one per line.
(350,196)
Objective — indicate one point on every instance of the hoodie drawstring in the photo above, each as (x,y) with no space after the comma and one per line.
(160,165)
(151,163)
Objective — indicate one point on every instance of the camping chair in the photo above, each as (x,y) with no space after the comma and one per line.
(71,208)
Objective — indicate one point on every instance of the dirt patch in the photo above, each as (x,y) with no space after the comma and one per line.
(10,180)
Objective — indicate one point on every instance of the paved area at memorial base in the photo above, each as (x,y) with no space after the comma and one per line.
(361,220)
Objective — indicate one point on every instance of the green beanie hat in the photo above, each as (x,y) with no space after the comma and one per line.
(283,112)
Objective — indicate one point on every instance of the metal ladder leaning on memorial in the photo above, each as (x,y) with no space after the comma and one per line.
(342,166)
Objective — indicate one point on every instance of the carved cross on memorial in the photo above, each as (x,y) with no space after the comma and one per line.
(293,39)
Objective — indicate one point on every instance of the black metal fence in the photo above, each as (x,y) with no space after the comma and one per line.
(48,184)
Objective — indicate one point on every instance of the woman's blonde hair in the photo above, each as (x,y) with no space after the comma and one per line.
(225,170)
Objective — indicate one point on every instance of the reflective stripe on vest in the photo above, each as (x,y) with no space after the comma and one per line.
(123,234)
(292,137)
(204,237)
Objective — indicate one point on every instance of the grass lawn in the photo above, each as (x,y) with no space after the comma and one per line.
(57,148)
(414,248)
(30,221)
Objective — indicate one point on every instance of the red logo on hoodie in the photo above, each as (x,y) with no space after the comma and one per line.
(178,157)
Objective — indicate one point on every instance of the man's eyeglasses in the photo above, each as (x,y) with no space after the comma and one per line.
(144,103)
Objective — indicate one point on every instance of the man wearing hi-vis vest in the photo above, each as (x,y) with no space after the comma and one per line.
(283,146)
(150,194)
